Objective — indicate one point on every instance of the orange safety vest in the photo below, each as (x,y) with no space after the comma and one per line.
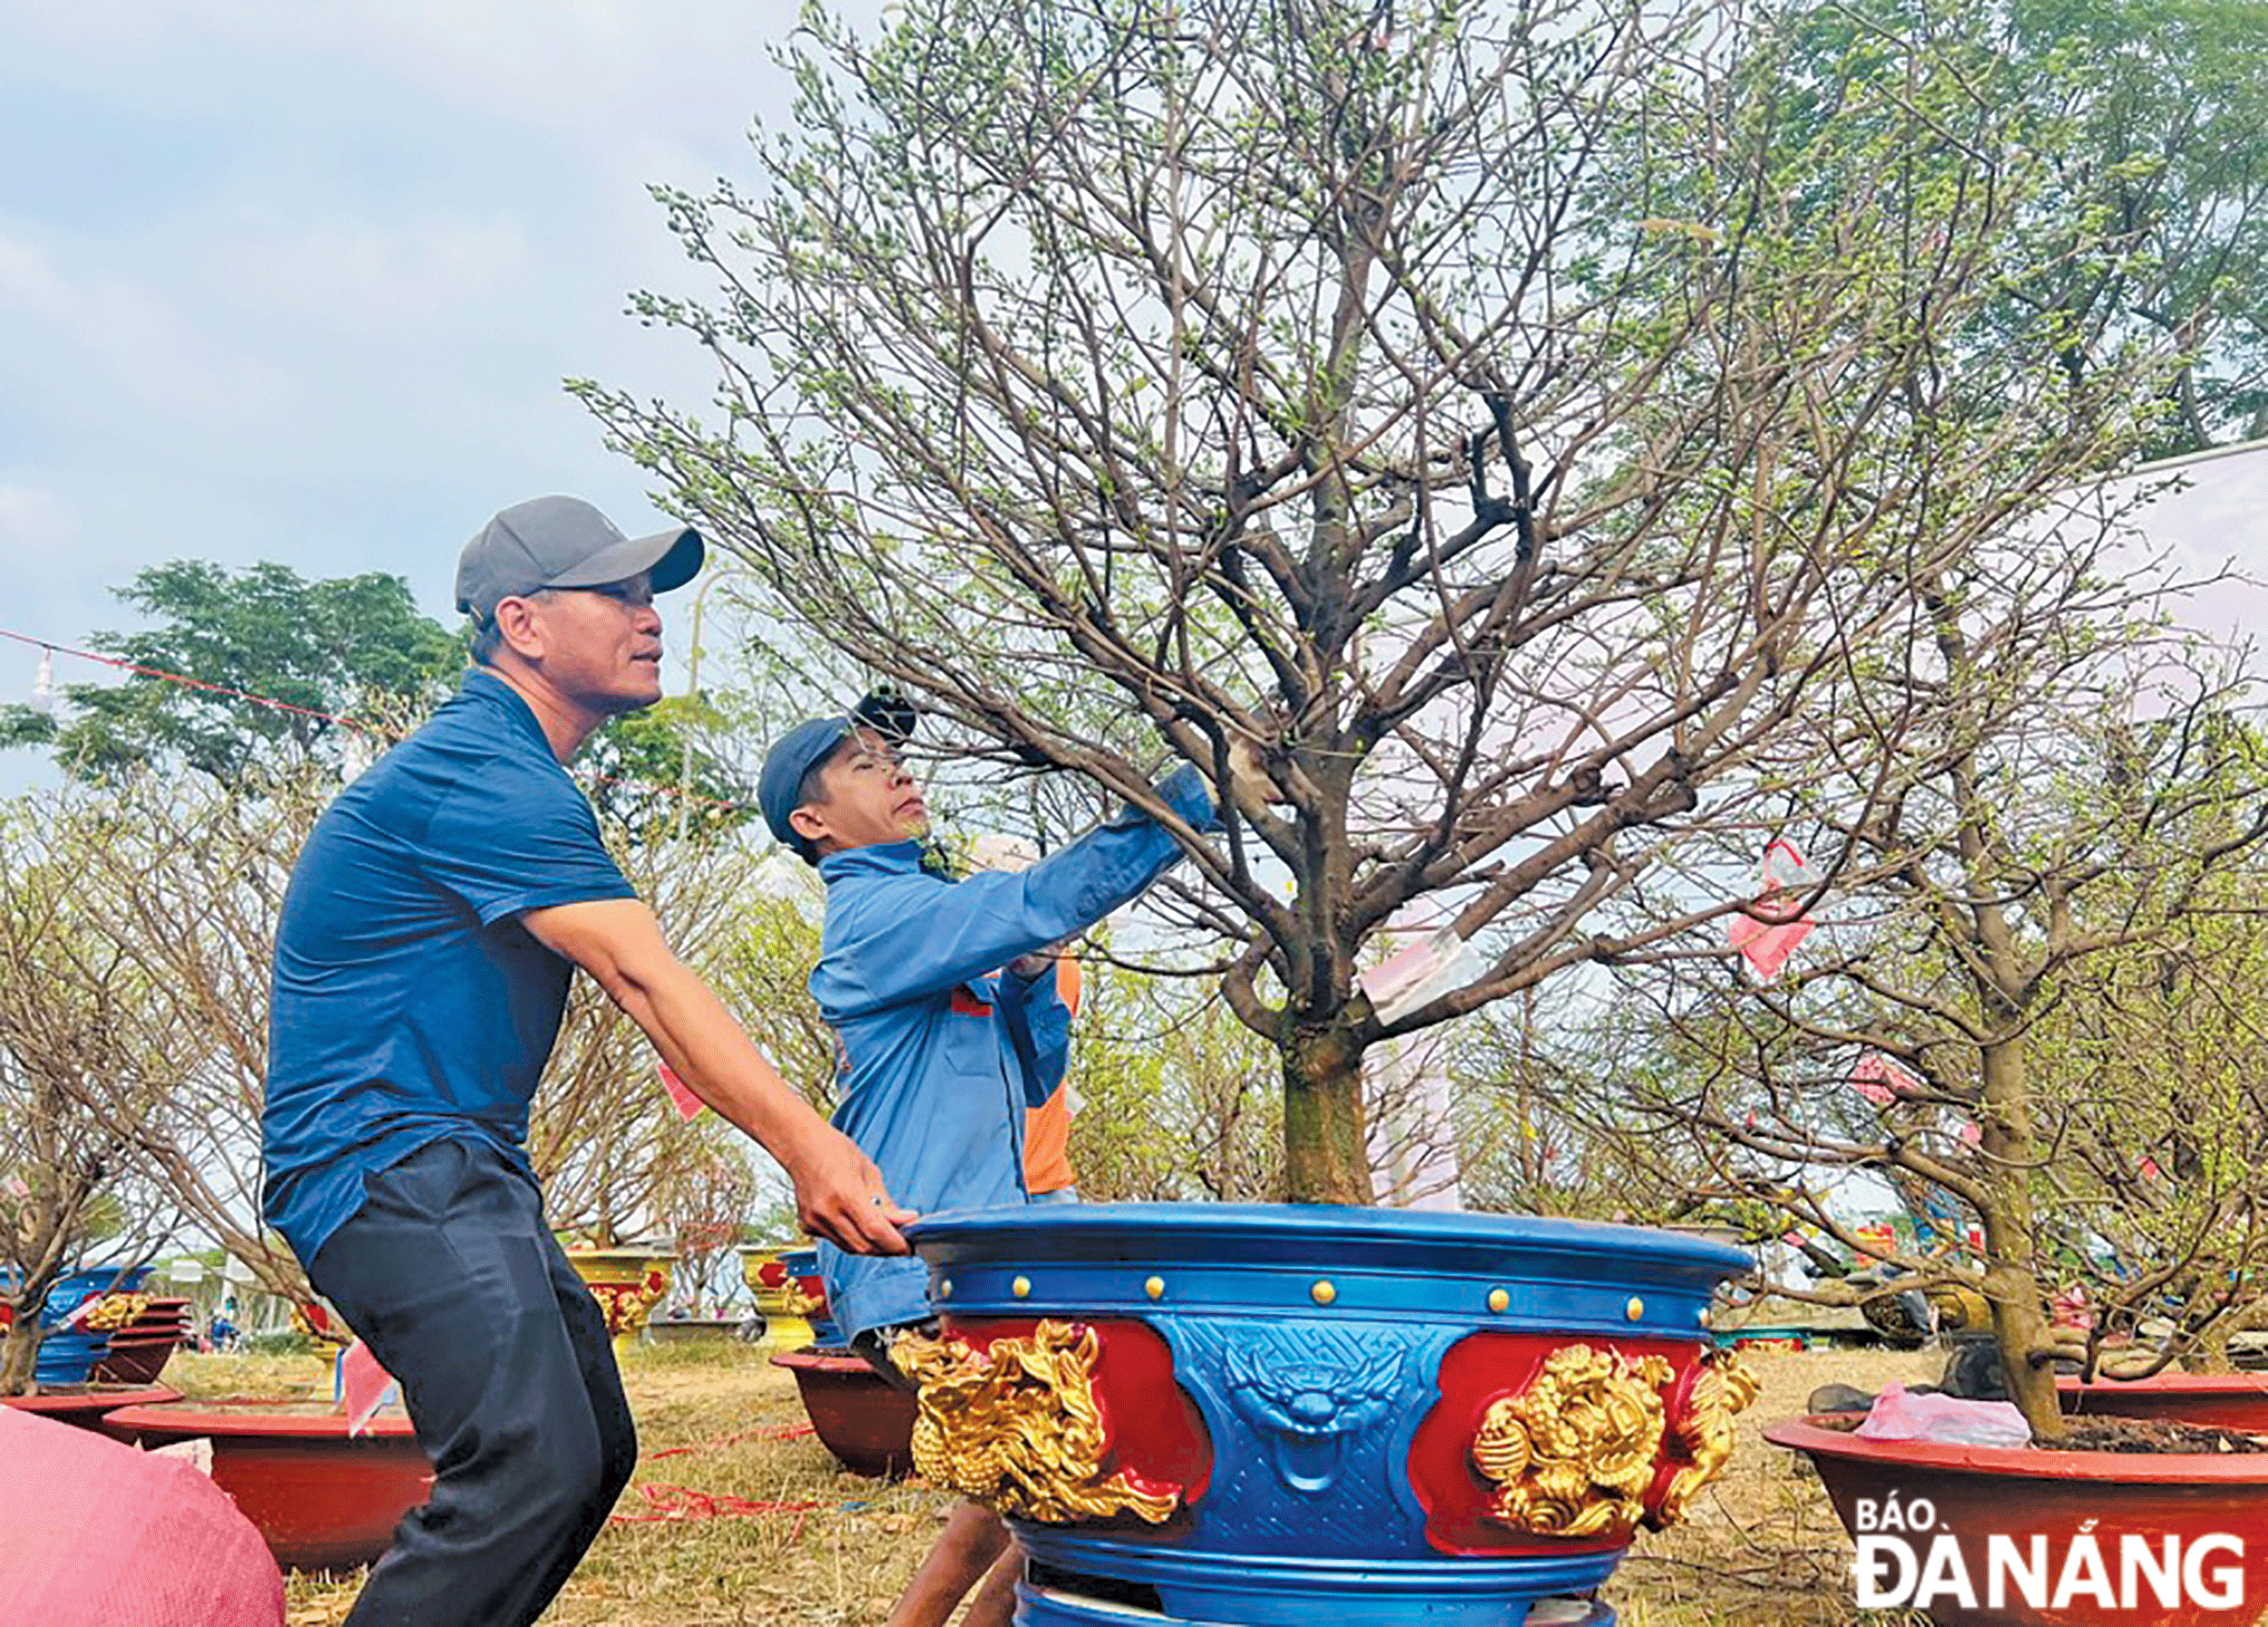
(1047,1129)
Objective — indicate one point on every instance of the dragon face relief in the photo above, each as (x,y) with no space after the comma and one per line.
(1304,1411)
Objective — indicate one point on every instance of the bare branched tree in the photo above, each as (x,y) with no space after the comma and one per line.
(1500,414)
(2027,1007)
(82,1046)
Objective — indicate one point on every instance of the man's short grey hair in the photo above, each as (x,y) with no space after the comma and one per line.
(488,640)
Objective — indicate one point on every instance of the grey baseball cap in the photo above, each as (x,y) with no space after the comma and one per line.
(563,542)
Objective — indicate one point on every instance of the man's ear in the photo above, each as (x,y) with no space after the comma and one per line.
(515,626)
(809,823)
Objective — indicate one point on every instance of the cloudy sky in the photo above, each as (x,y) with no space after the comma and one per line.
(290,280)
(298,280)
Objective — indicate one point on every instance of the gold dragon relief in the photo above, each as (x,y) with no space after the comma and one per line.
(1017,1427)
(115,1310)
(1575,1451)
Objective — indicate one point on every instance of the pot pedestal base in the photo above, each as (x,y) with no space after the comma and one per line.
(1041,1604)
(1214,1589)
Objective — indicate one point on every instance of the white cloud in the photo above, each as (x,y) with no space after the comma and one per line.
(297,280)
(33,521)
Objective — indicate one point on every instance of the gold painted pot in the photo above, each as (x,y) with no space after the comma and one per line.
(763,1266)
(628,1283)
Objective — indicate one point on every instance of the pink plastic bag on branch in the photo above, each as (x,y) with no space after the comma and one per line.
(1767,932)
(1900,1415)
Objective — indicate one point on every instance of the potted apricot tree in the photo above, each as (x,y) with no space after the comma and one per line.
(2025,1004)
(1470,415)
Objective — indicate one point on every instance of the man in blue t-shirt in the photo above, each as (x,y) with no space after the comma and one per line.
(433,923)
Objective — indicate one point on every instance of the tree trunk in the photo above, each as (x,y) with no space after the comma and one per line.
(19,1356)
(2021,1328)
(1327,1153)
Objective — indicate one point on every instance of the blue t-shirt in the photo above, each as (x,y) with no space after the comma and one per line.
(408,1004)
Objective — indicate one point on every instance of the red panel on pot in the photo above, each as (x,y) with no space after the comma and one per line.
(1155,1430)
(1478,1371)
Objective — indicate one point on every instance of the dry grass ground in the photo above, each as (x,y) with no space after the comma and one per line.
(1762,1550)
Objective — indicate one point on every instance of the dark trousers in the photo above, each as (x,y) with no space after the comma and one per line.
(450,1276)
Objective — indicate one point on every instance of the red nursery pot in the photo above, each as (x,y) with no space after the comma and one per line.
(322,1500)
(863,1420)
(2231,1400)
(2013,1536)
(87,1404)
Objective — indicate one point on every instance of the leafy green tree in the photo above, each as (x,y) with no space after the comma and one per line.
(355,647)
(1499,415)
(2162,115)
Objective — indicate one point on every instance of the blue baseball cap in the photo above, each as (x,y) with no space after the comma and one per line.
(779,787)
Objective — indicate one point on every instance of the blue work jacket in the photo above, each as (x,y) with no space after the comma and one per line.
(940,1052)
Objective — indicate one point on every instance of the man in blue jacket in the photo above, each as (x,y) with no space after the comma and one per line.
(944,1002)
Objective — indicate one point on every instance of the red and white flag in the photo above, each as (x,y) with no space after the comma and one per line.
(689,1105)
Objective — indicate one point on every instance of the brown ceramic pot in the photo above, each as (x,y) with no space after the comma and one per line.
(862,1418)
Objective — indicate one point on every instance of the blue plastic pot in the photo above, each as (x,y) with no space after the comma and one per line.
(69,1355)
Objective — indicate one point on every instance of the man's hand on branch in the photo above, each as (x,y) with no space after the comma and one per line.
(1248,775)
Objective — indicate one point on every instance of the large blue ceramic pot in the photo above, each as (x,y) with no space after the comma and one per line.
(1282,1413)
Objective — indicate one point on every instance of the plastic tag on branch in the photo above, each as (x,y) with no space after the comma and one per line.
(363,1386)
(1768,930)
(689,1105)
(1882,1080)
(1423,971)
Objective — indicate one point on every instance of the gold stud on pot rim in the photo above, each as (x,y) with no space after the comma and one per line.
(1021,1288)
(1155,1287)
(1323,1293)
(1499,1300)
(1635,1309)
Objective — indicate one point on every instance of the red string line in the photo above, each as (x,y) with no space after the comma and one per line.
(785,1432)
(682,1503)
(358,724)
(198,683)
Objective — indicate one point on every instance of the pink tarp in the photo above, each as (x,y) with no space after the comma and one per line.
(94,1533)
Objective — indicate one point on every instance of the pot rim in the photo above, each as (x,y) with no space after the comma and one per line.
(1055,1225)
(1806,1435)
(825,1361)
(190,1419)
(2200,1383)
(72,1397)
